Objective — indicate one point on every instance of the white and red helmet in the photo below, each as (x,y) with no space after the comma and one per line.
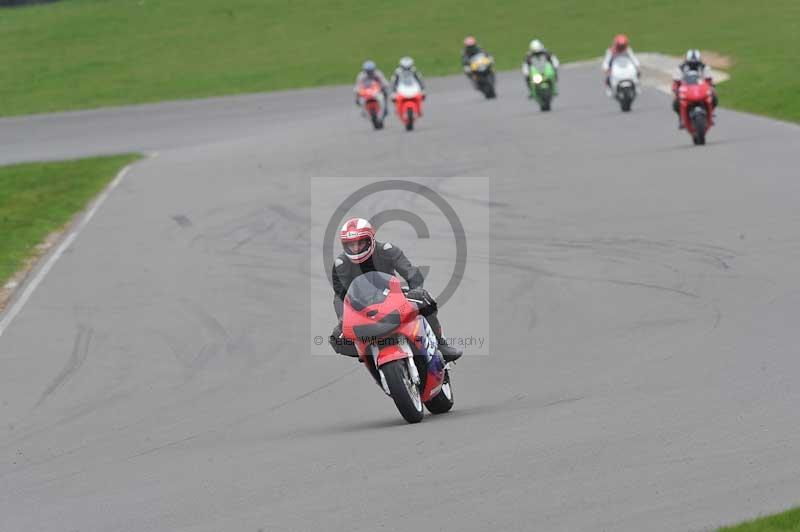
(358,239)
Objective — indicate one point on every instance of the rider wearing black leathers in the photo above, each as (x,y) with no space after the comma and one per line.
(693,62)
(386,258)
(470,49)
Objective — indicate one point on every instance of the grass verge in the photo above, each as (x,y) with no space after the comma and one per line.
(782,522)
(89,53)
(37,199)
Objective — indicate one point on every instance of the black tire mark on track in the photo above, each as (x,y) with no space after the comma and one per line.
(80,351)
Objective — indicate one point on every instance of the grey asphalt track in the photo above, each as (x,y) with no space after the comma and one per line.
(643,373)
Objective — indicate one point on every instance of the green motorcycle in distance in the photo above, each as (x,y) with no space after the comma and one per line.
(543,83)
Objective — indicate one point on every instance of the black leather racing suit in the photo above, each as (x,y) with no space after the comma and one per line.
(387,258)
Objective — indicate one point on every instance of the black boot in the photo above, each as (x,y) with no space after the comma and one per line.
(449,353)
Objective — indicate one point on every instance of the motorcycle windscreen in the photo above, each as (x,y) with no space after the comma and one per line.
(479,62)
(407,85)
(368,289)
(540,65)
(622,62)
(692,77)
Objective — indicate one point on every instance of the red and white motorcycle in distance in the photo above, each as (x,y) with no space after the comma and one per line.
(372,102)
(408,99)
(396,345)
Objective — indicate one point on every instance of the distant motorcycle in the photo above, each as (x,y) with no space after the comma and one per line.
(408,99)
(624,82)
(372,101)
(481,67)
(396,345)
(695,99)
(543,83)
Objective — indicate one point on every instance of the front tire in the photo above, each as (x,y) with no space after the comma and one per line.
(443,401)
(377,123)
(405,393)
(700,130)
(545,96)
(409,119)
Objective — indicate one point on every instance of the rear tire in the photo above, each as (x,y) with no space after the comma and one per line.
(409,119)
(625,104)
(405,393)
(443,401)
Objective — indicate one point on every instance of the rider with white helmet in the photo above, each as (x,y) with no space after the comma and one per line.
(406,67)
(692,62)
(537,50)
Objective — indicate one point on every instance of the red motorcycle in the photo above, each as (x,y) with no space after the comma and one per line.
(408,100)
(397,345)
(695,99)
(372,102)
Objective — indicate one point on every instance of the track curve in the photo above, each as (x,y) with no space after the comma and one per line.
(644,350)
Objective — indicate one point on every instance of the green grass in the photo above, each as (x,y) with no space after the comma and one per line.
(39,198)
(783,522)
(88,53)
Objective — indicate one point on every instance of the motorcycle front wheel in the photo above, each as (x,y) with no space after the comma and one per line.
(404,392)
(377,122)
(409,119)
(699,130)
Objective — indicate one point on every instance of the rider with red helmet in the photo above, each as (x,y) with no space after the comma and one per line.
(362,254)
(470,48)
(620,46)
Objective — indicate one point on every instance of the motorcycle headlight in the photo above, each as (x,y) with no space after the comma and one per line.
(537,78)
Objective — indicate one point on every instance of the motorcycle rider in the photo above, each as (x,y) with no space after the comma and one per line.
(470,49)
(406,67)
(362,254)
(536,50)
(692,62)
(619,47)
(370,72)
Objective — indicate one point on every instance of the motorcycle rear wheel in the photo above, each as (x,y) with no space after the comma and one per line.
(404,392)
(443,401)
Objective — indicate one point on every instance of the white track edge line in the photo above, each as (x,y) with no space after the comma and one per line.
(30,287)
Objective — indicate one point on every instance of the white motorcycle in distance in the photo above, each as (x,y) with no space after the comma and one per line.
(624,82)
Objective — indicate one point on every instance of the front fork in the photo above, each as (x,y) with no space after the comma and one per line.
(377,372)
